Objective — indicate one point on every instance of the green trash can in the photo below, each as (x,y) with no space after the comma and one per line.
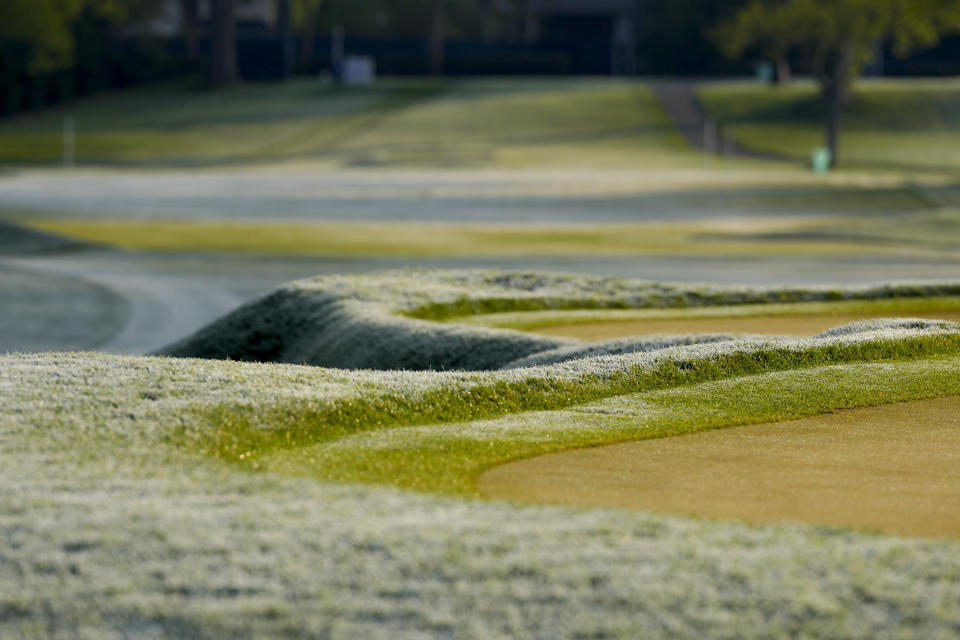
(820,160)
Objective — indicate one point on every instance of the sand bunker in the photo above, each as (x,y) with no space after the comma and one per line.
(793,325)
(894,468)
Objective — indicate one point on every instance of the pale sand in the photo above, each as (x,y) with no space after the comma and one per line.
(795,325)
(894,468)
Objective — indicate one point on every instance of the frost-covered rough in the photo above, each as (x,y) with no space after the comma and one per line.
(111,528)
(616,347)
(108,532)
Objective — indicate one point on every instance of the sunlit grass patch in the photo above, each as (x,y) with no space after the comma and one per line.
(719,239)
(447,458)
(397,122)
(903,124)
(450,240)
(531,320)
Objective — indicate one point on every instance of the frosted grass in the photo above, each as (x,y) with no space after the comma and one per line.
(112,528)
(364,322)
(111,533)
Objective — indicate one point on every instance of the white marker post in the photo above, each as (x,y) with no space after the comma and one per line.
(709,138)
(69,141)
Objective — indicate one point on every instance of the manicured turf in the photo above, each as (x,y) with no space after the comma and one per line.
(172,497)
(805,325)
(889,307)
(396,123)
(901,124)
(428,239)
(897,124)
(448,458)
(777,319)
(112,527)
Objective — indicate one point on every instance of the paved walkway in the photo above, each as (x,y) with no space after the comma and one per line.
(679,100)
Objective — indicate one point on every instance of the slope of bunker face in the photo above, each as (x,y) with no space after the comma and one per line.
(893,468)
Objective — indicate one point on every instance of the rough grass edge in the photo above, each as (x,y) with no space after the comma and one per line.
(241,434)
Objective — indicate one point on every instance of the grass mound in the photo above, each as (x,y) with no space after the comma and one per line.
(382,321)
(176,497)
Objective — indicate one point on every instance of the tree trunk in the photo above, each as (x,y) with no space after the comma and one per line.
(784,75)
(223,68)
(308,35)
(833,126)
(191,31)
(530,23)
(836,86)
(437,38)
(285,28)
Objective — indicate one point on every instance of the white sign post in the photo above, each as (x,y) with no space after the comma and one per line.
(69,141)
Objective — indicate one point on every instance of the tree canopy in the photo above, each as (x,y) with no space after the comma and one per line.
(838,36)
(46,27)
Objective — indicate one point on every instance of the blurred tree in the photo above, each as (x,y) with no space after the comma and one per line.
(223,45)
(191,27)
(47,27)
(43,28)
(766,25)
(840,36)
(438,36)
(287,44)
(305,17)
(672,35)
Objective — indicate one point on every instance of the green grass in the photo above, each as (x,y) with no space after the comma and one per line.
(245,436)
(525,320)
(418,122)
(369,315)
(112,527)
(908,125)
(533,122)
(182,124)
(172,497)
(447,458)
(443,240)
(919,234)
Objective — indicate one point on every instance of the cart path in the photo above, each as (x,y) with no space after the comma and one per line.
(683,107)
(893,468)
(116,310)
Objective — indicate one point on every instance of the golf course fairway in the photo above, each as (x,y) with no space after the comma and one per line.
(892,468)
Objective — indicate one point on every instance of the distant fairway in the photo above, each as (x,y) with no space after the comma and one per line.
(899,125)
(911,125)
(419,122)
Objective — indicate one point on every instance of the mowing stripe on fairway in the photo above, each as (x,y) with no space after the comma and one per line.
(446,240)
